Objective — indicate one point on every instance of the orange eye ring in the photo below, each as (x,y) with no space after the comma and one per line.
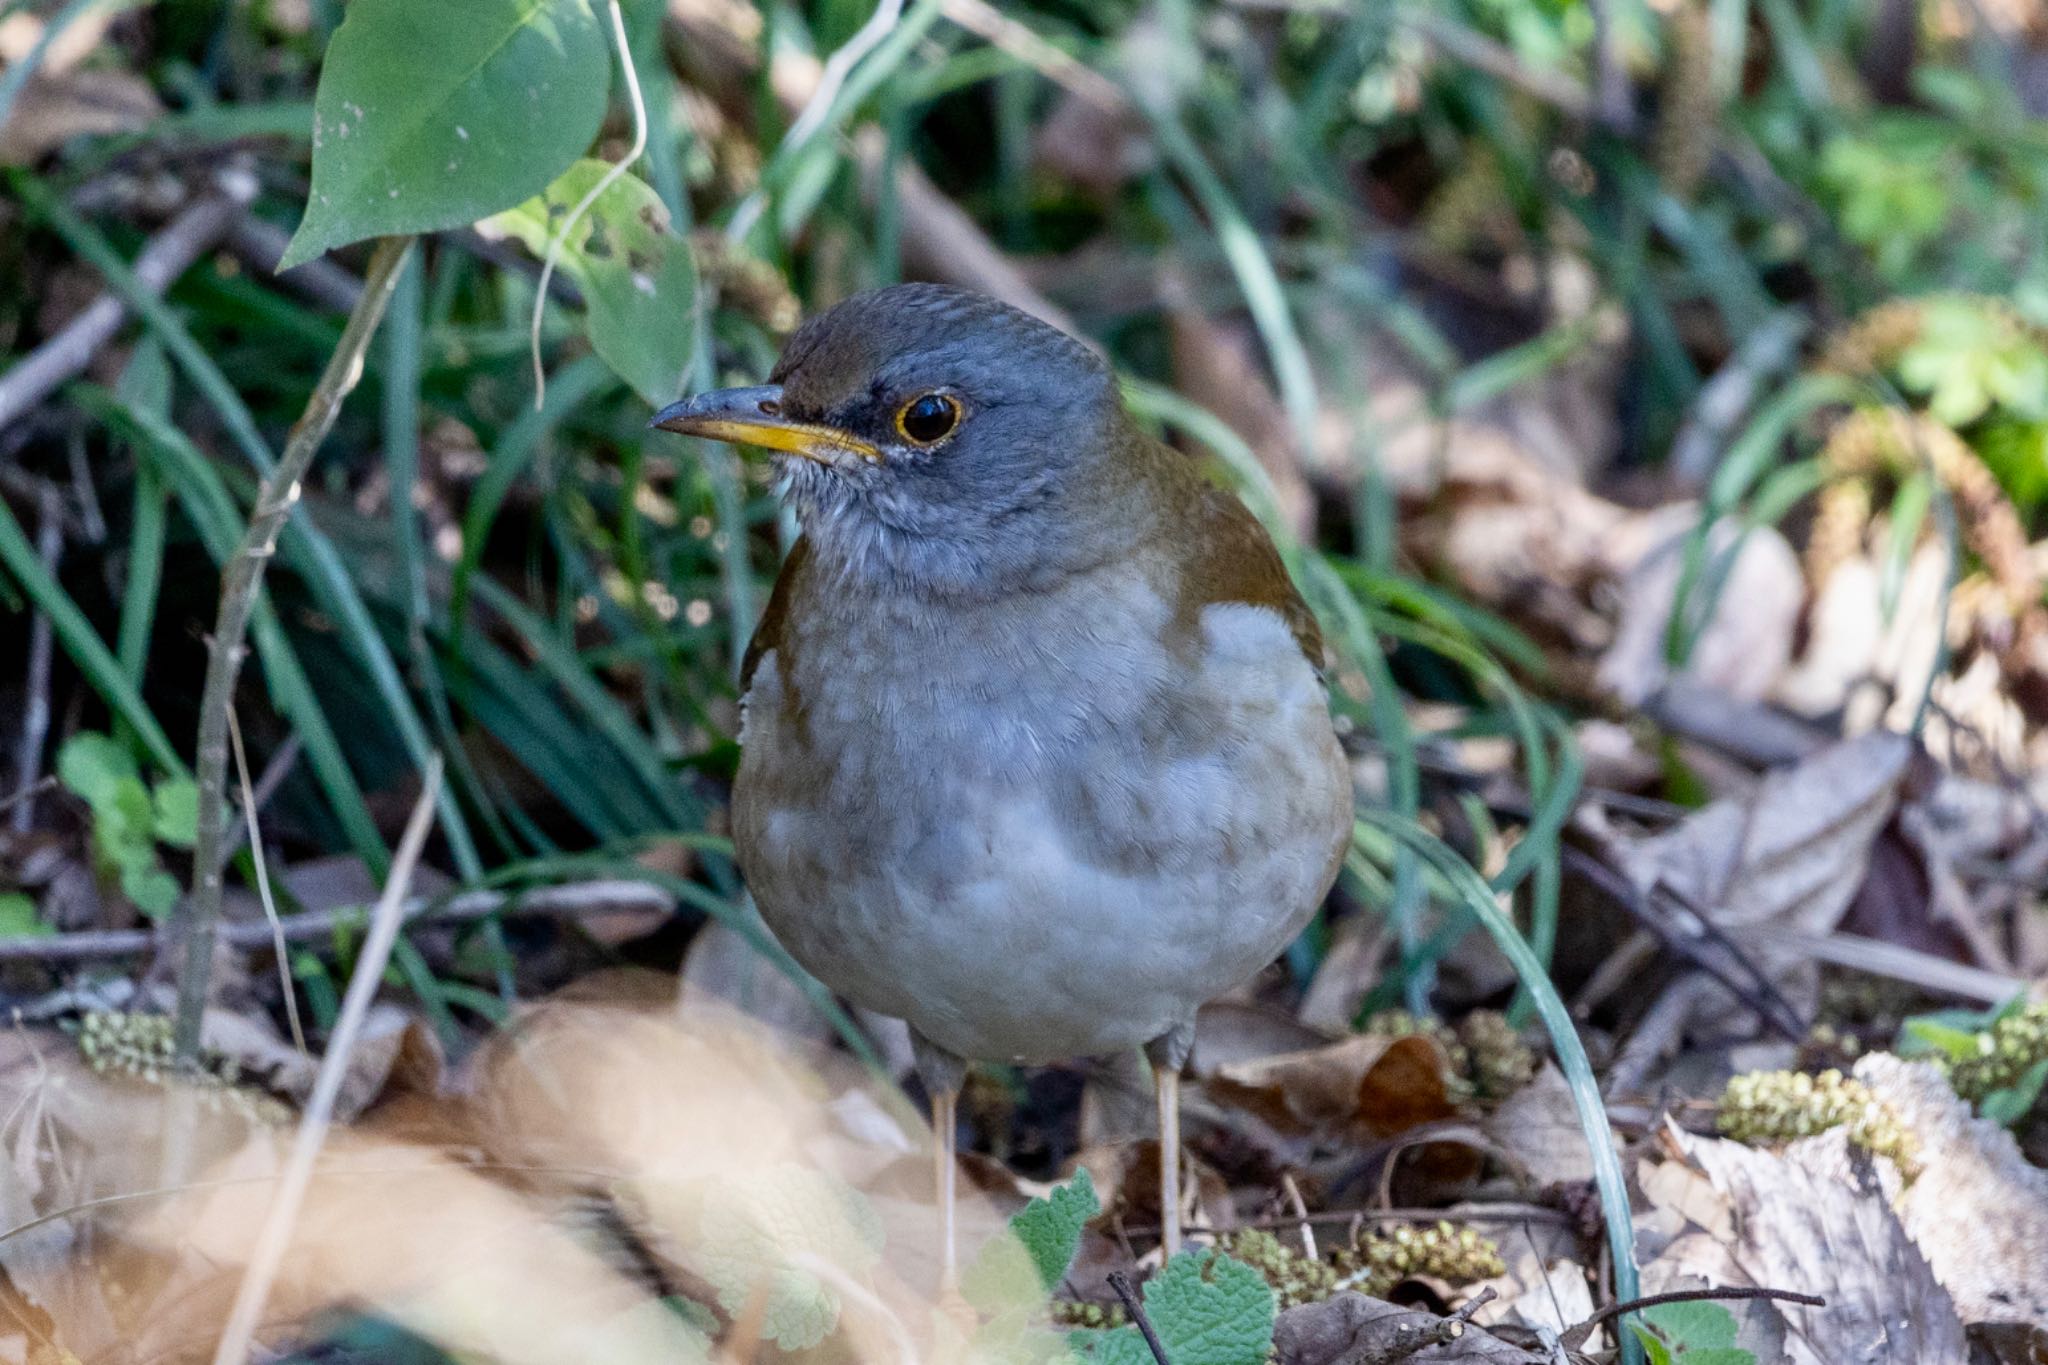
(928,418)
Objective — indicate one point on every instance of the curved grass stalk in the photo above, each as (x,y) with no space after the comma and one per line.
(1477,897)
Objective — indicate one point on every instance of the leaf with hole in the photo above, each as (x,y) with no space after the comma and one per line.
(432,116)
(638,280)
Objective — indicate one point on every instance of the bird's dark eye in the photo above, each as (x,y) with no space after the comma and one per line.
(928,418)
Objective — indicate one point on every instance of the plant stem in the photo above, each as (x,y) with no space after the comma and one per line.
(242,582)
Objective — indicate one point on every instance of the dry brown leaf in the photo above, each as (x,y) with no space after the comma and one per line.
(1351,1329)
(1800,1229)
(1540,1125)
(1360,1086)
(396,1052)
(51,110)
(1233,1032)
(1792,856)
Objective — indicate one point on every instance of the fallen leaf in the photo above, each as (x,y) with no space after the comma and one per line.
(1540,1125)
(50,110)
(1351,1329)
(1794,854)
(1360,1086)
(722,966)
(1799,1230)
(1744,644)
(1979,1210)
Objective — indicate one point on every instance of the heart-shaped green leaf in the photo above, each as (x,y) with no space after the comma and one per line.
(432,115)
(639,282)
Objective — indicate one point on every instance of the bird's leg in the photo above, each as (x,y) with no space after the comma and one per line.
(1168,1054)
(942,1074)
(944,1115)
(1167,1084)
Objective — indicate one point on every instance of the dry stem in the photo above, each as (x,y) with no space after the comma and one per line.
(269,1250)
(242,582)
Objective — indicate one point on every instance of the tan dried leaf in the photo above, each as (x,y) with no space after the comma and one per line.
(1362,1085)
(1799,1229)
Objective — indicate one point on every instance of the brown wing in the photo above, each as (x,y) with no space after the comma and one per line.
(1232,559)
(770,634)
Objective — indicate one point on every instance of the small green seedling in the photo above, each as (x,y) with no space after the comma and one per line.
(129,819)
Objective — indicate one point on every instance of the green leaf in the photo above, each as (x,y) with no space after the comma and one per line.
(2017,453)
(1968,358)
(1653,1345)
(153,890)
(1928,1033)
(123,826)
(1207,1309)
(2014,1103)
(1028,1260)
(638,279)
(18,918)
(177,811)
(90,764)
(1695,1333)
(432,116)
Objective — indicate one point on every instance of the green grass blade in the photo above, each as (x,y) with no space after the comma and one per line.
(101,669)
(1478,898)
(210,509)
(310,550)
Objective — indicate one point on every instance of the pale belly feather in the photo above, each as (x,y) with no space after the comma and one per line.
(1030,858)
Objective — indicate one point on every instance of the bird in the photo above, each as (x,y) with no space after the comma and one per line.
(1036,751)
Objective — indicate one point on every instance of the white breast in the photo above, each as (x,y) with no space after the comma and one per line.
(1045,842)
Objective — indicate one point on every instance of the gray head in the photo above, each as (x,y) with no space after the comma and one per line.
(935,435)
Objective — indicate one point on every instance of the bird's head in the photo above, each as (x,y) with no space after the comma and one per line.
(929,432)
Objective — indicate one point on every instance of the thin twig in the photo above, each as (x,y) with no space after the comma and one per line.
(1576,1336)
(1121,1283)
(242,583)
(1491,1213)
(33,789)
(590,196)
(1894,961)
(284,966)
(571,901)
(259,244)
(1419,1337)
(1295,1202)
(167,255)
(282,759)
(35,713)
(268,1253)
